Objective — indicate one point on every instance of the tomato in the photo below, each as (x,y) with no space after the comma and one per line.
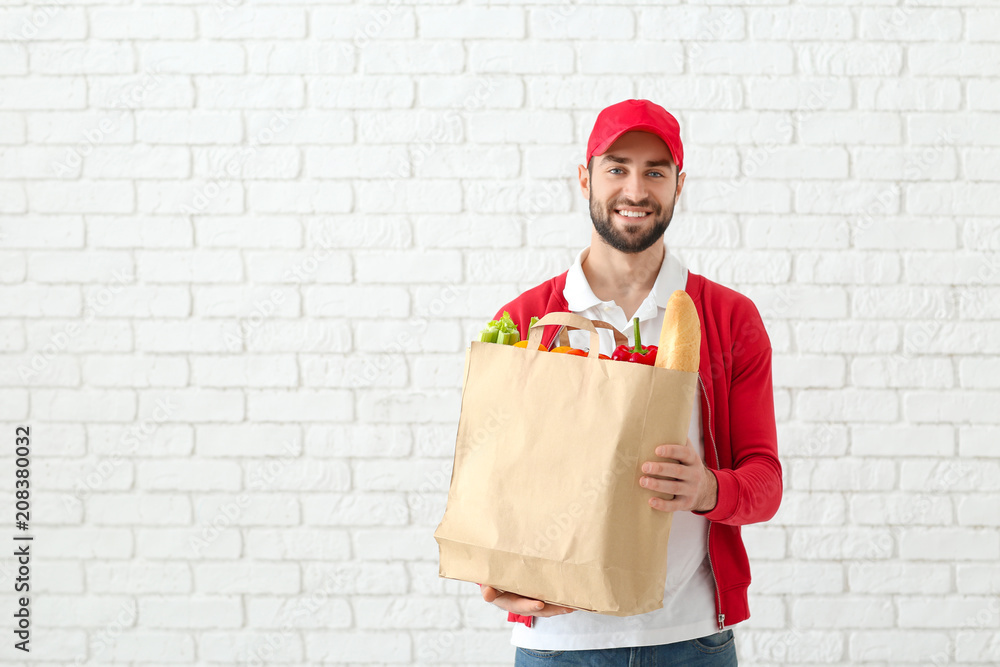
(576,352)
(524,344)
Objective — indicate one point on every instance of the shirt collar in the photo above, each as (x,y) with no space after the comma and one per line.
(672,276)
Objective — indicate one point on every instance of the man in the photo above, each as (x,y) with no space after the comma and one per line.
(728,473)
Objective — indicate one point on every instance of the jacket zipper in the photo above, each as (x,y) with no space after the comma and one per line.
(708,533)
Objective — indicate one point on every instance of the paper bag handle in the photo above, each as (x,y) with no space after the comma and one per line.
(573,322)
(620,338)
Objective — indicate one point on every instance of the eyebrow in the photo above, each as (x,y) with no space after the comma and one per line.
(625,160)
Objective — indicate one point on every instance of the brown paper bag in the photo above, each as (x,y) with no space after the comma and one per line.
(544,498)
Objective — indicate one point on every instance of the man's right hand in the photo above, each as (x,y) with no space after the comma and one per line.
(521,605)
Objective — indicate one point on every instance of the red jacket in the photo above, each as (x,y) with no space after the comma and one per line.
(737,415)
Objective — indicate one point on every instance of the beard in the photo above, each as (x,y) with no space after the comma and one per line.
(635,237)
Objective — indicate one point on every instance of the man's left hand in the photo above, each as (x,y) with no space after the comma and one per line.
(693,485)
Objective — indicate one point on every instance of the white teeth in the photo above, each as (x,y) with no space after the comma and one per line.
(633,214)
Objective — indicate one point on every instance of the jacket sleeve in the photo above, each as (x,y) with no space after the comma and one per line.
(751,491)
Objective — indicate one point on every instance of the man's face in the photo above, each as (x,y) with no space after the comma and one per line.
(633,188)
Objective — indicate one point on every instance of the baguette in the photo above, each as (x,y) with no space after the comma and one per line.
(680,337)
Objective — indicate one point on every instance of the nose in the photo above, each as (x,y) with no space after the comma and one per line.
(634,188)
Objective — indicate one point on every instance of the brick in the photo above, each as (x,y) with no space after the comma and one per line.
(874,578)
(68,405)
(847,267)
(165,440)
(166,474)
(92,611)
(902,440)
(306,544)
(843,612)
(489,90)
(270,509)
(36,162)
(895,645)
(471,23)
(928,163)
(980,645)
(146,23)
(364,440)
(115,300)
(850,59)
(44,93)
(297,475)
(218,195)
(909,94)
(395,543)
(867,200)
(34,300)
(843,474)
(137,577)
(977,578)
(979,510)
(800,23)
(364,25)
(249,91)
(901,371)
(244,371)
(903,303)
(802,95)
(194,612)
(470,162)
(943,129)
(53,22)
(906,233)
(115,232)
(952,59)
(252,23)
(80,197)
(952,337)
(317,265)
(409,612)
(389,267)
(810,509)
(357,370)
(796,576)
(138,162)
(518,57)
(352,92)
(809,440)
(250,303)
(356,302)
(949,544)
(842,543)
(302,405)
(698,24)
(201,127)
(193,57)
(950,474)
(807,371)
(632,57)
(414,57)
(114,509)
(148,90)
(966,406)
(909,24)
(316,610)
(378,405)
(298,336)
(187,336)
(982,24)
(149,645)
(528,201)
(191,405)
(95,337)
(819,232)
(299,197)
(13,127)
(299,57)
(76,267)
(16,61)
(945,612)
(360,161)
(352,646)
(899,508)
(979,441)
(355,509)
(91,57)
(92,543)
(194,266)
(247,577)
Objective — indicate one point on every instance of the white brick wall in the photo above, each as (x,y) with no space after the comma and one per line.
(243,244)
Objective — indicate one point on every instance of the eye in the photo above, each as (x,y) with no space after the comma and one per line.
(656,172)
(613,169)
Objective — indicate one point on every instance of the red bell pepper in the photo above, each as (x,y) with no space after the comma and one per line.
(638,354)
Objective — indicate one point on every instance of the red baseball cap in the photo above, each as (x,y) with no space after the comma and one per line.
(644,115)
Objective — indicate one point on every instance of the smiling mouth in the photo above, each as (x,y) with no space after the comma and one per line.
(632,215)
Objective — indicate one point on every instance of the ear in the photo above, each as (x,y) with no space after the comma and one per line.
(584,177)
(680,184)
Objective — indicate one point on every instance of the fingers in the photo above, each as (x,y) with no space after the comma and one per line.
(521,605)
(675,487)
(661,469)
(683,453)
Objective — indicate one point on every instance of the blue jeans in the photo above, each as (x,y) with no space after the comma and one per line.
(718,650)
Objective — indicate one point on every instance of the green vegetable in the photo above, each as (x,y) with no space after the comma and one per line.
(502,331)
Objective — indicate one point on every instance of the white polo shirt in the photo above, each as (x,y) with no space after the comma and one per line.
(689,593)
